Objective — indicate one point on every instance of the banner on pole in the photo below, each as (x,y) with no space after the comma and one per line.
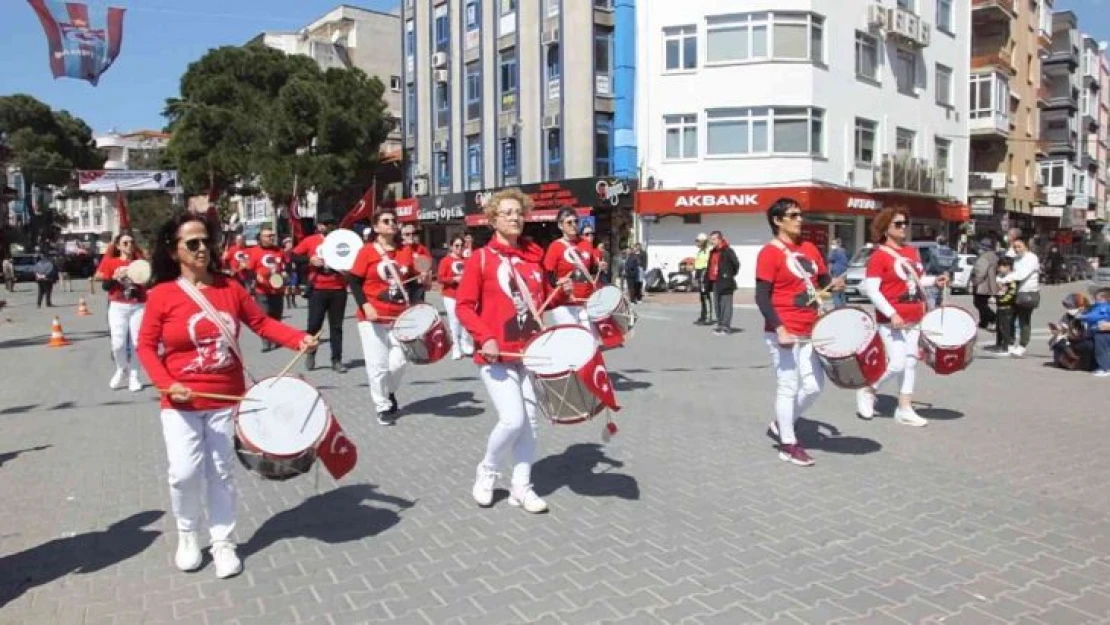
(105,181)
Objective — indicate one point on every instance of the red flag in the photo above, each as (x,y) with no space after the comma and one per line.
(295,216)
(213,213)
(596,378)
(337,453)
(121,210)
(363,209)
(610,333)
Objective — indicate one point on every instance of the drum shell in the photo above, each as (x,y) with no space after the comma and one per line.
(946,360)
(564,399)
(859,370)
(430,347)
(621,318)
(274,466)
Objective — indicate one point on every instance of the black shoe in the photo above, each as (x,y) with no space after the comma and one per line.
(393,406)
(338,367)
(385,419)
(700,321)
(310,362)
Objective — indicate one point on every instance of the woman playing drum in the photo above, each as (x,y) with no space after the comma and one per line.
(377,283)
(565,258)
(895,283)
(788,273)
(194,314)
(126,301)
(449,275)
(502,287)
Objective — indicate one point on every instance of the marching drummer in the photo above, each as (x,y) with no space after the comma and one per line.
(415,248)
(377,282)
(449,275)
(502,287)
(126,302)
(788,273)
(189,346)
(327,295)
(567,257)
(266,266)
(895,283)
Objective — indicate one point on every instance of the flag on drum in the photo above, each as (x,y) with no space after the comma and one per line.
(595,377)
(610,335)
(338,454)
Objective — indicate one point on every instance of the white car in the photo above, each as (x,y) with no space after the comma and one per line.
(961,282)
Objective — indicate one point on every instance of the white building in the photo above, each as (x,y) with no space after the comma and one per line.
(844,110)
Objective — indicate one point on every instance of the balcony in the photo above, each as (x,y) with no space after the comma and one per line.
(1044,39)
(1058,146)
(1062,54)
(986,183)
(903,174)
(993,9)
(1043,96)
(988,124)
(1060,99)
(994,60)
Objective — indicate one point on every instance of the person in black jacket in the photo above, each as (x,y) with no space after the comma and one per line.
(723,267)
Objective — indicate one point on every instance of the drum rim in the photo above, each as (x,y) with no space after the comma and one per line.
(868,341)
(334,238)
(248,443)
(438,319)
(971,340)
(548,329)
(609,313)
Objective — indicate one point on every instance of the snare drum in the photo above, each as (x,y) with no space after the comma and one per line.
(276,280)
(948,335)
(276,434)
(612,315)
(554,356)
(422,334)
(138,271)
(848,344)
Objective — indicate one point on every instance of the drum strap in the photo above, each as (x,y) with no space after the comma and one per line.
(576,260)
(214,316)
(898,258)
(521,285)
(391,267)
(809,279)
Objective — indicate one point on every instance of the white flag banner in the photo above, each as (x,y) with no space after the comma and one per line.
(106,181)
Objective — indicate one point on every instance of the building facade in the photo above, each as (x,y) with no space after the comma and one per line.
(843,110)
(1063,180)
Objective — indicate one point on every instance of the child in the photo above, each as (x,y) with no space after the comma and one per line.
(1004,301)
(1098,312)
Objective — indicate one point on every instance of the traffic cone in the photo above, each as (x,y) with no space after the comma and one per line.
(57,338)
(82,308)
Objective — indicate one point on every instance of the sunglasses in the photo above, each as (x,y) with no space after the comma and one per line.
(386,221)
(193,245)
(587,234)
(796,215)
(408,234)
(570,221)
(901,223)
(125,242)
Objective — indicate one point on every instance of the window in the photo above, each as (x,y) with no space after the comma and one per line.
(681,48)
(681,136)
(989,95)
(443,105)
(904,141)
(508,159)
(907,5)
(1028,173)
(410,38)
(781,130)
(944,15)
(1031,68)
(907,71)
(507,84)
(552,7)
(867,56)
(410,111)
(443,172)
(473,15)
(395,83)
(473,92)
(508,6)
(603,144)
(942,158)
(554,154)
(865,141)
(944,85)
(442,28)
(552,64)
(603,62)
(473,163)
(765,36)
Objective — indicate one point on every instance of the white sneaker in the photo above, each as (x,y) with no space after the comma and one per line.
(1101,373)
(117,380)
(188,551)
(456,356)
(483,486)
(865,403)
(1019,351)
(907,416)
(134,385)
(226,560)
(524,496)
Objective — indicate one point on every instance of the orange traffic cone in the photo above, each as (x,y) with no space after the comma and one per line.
(57,338)
(82,308)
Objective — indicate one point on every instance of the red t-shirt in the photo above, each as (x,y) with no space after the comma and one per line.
(788,270)
(107,271)
(564,259)
(195,353)
(321,278)
(265,262)
(899,281)
(236,260)
(449,273)
(381,289)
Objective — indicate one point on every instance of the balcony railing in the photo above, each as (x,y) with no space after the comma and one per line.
(1060,53)
(993,60)
(995,8)
(989,124)
(986,182)
(898,172)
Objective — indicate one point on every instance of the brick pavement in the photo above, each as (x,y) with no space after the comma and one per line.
(991,514)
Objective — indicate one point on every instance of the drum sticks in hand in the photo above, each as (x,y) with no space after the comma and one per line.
(293,362)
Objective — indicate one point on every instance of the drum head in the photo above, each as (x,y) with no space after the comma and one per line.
(415,322)
(276,280)
(557,350)
(843,332)
(340,249)
(603,302)
(139,271)
(288,417)
(949,326)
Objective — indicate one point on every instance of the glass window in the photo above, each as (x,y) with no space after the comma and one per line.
(552,64)
(603,52)
(554,154)
(508,6)
(410,111)
(508,80)
(603,145)
(443,172)
(944,85)
(473,92)
(763,36)
(782,130)
(442,28)
(989,95)
(944,15)
(942,157)
(443,105)
(473,163)
(681,47)
(473,15)
(867,56)
(395,83)
(907,5)
(410,38)
(866,130)
(508,159)
(681,136)
(791,36)
(552,7)
(904,140)
(907,71)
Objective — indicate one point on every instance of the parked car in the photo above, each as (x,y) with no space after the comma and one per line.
(24,267)
(1078,268)
(961,281)
(1101,280)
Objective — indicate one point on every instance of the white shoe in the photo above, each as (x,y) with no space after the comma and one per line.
(907,416)
(524,496)
(483,486)
(134,385)
(1101,373)
(865,403)
(1017,351)
(188,551)
(117,380)
(226,560)
(456,356)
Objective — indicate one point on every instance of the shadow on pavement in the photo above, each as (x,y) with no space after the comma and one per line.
(12,455)
(622,382)
(22,408)
(574,468)
(826,437)
(43,339)
(336,516)
(83,553)
(461,404)
(885,405)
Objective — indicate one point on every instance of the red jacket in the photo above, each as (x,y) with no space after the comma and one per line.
(449,273)
(264,262)
(319,279)
(485,302)
(558,262)
(379,286)
(106,272)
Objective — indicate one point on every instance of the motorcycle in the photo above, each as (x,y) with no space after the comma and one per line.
(682,281)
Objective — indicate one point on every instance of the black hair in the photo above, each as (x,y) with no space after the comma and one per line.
(459,238)
(1006,261)
(163,267)
(778,211)
(565,212)
(382,212)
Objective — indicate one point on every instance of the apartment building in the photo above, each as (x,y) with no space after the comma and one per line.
(844,111)
(1102,147)
(1063,180)
(1008,37)
(540,95)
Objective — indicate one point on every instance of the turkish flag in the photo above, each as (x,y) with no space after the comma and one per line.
(610,333)
(596,378)
(121,209)
(336,451)
(363,209)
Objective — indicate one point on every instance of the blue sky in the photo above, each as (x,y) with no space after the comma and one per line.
(161,37)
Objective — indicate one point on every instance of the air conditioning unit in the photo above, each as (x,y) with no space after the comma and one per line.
(510,131)
(420,187)
(878,17)
(419,170)
(551,37)
(550,121)
(439,146)
(442,75)
(925,34)
(906,25)
(439,59)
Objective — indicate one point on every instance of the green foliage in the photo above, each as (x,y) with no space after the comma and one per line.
(147,210)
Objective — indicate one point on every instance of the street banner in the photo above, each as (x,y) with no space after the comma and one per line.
(83,44)
(108,181)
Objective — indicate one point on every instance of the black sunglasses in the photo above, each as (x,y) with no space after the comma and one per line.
(901,223)
(386,221)
(587,234)
(193,245)
(796,215)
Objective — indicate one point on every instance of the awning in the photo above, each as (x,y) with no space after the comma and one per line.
(533,217)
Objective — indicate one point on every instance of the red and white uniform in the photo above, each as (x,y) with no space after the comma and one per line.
(449,275)
(107,271)
(235,261)
(125,314)
(321,278)
(899,276)
(565,259)
(383,273)
(789,268)
(264,262)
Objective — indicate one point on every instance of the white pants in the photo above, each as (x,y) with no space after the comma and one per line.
(461,342)
(201,453)
(571,315)
(124,321)
(514,397)
(901,347)
(799,379)
(385,362)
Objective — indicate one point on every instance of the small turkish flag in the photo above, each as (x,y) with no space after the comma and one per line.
(596,378)
(610,333)
(336,451)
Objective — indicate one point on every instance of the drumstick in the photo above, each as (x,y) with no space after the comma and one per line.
(521,355)
(293,362)
(221,397)
(824,291)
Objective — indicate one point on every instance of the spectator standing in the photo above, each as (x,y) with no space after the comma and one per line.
(838,266)
(983,283)
(701,280)
(723,267)
(46,274)
(9,275)
(634,277)
(1027,275)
